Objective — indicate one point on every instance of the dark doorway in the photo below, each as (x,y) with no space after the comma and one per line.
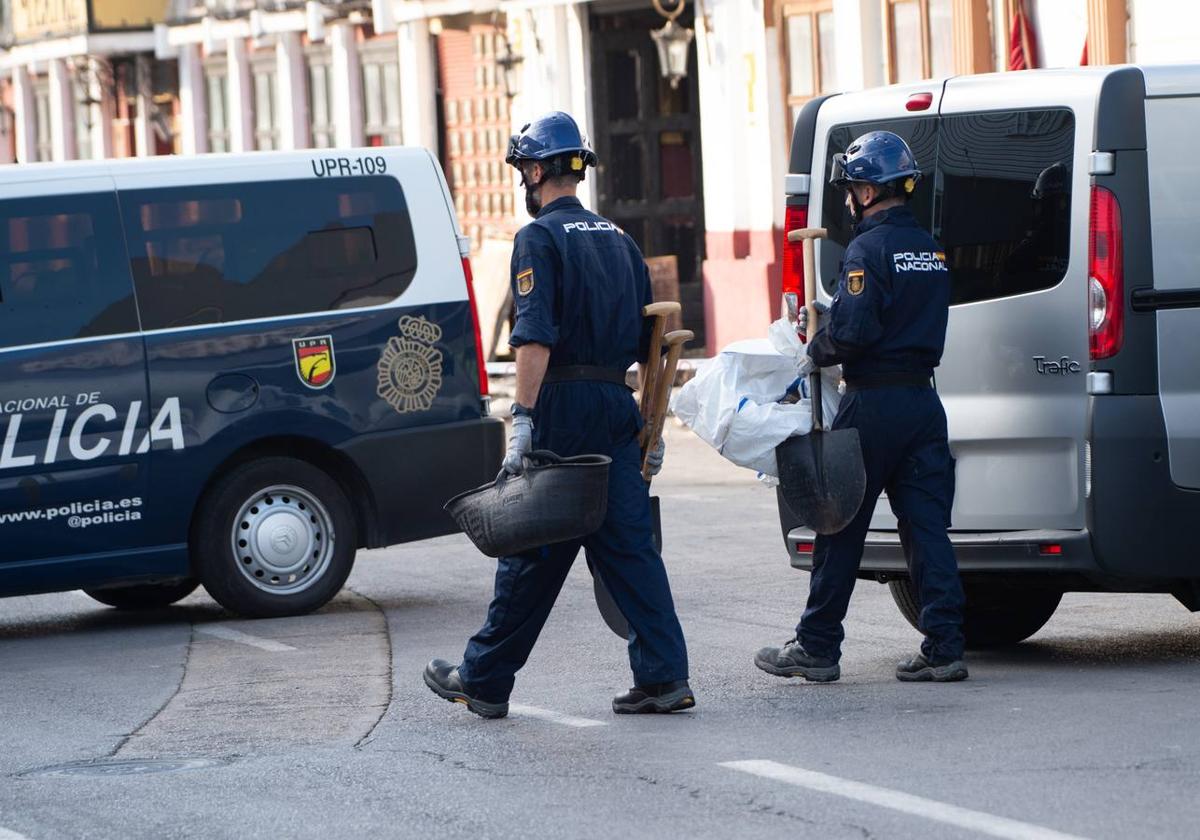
(648,140)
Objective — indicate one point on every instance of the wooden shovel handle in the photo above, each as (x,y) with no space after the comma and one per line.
(662,394)
(660,312)
(808,236)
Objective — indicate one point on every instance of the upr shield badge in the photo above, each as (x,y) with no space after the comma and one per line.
(314,360)
(410,369)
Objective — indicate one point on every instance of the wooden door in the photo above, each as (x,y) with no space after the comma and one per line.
(648,140)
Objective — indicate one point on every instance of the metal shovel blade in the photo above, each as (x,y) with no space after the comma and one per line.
(609,610)
(822,478)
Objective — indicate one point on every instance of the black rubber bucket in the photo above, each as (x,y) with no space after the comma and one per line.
(554,500)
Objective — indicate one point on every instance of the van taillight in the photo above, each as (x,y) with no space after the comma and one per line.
(1106,277)
(795,218)
(483,380)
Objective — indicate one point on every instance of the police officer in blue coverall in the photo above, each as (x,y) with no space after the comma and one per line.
(579,284)
(887,328)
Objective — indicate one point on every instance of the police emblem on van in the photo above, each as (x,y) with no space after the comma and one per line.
(314,360)
(410,369)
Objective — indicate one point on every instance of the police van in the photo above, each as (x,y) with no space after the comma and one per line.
(232,370)
(1071,378)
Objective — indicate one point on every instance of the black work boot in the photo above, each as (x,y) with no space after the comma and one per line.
(443,679)
(792,660)
(920,669)
(655,699)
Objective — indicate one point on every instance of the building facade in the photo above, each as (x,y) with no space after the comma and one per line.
(81,80)
(691,167)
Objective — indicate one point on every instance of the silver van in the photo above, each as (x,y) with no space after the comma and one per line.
(1064,202)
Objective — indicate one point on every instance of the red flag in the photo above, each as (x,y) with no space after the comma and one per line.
(1083,62)
(1022,45)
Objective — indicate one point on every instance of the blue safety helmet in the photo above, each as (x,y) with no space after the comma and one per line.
(550,137)
(878,157)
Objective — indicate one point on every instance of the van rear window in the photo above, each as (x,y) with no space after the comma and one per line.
(1005,201)
(234,252)
(996,195)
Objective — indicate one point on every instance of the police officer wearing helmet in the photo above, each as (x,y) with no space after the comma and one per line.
(579,284)
(886,326)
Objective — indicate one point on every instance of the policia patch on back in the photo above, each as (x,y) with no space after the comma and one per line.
(856,281)
(525,282)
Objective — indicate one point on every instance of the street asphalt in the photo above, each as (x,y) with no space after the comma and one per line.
(188,722)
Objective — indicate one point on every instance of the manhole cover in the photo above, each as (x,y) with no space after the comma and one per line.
(124,767)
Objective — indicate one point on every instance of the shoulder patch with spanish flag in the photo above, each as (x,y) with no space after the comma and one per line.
(856,281)
(525,282)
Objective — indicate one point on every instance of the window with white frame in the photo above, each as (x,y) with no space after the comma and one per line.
(381,94)
(320,98)
(216,86)
(263,72)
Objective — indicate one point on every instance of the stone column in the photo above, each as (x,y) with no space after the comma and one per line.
(193,116)
(858,33)
(24,117)
(143,133)
(101,111)
(62,111)
(292,90)
(241,101)
(418,103)
(347,86)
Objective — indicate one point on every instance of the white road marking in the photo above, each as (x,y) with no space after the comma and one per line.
(231,635)
(522,710)
(5,834)
(930,809)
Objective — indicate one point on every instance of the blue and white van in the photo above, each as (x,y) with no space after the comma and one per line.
(232,370)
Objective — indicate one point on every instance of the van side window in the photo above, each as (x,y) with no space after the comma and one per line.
(63,270)
(234,252)
(921,135)
(1006,201)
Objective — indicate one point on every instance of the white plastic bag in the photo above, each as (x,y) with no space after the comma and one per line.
(733,405)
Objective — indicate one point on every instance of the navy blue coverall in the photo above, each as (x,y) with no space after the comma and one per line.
(579,285)
(887,328)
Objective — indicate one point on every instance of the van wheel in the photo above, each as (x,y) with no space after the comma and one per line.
(144,596)
(274,537)
(996,614)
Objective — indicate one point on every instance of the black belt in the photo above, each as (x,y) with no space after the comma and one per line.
(889,380)
(583,373)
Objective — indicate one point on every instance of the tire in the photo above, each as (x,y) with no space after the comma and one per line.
(996,613)
(144,596)
(274,537)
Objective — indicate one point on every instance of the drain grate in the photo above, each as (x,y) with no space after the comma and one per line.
(123,767)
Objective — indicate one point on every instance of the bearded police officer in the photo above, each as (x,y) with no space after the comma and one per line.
(887,328)
(579,284)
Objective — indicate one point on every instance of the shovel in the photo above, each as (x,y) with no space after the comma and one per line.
(657,379)
(821,474)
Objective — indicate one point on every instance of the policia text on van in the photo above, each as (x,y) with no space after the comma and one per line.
(1070,375)
(232,370)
